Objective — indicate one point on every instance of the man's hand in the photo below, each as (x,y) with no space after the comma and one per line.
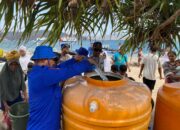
(26,97)
(161,78)
(7,108)
(92,61)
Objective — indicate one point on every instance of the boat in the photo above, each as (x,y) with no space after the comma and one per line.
(68,39)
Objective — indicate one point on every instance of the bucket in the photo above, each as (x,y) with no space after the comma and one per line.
(19,115)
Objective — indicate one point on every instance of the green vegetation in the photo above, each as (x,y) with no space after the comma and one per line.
(154,21)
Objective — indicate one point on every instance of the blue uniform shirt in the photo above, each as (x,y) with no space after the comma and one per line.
(45,93)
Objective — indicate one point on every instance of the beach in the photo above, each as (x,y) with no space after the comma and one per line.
(134,73)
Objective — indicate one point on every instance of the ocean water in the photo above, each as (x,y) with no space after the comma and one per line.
(8,45)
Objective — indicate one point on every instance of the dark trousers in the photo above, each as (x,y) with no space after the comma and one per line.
(149,83)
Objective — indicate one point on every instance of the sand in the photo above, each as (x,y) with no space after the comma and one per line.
(135,73)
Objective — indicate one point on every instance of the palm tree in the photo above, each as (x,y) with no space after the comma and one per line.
(153,21)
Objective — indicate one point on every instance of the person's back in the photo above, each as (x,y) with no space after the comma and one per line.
(43,97)
(150,66)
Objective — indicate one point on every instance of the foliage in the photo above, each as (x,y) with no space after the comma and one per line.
(153,21)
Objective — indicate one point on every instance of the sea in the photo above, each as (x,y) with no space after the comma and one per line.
(8,45)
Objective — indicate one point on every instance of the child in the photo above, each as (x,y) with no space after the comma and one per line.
(114,69)
(123,70)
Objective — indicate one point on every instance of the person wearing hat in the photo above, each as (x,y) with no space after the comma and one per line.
(98,56)
(11,82)
(82,51)
(44,90)
(65,53)
(24,58)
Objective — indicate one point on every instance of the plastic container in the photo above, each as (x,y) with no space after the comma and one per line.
(167,114)
(92,104)
(19,115)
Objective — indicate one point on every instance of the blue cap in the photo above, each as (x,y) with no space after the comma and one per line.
(82,51)
(64,46)
(43,52)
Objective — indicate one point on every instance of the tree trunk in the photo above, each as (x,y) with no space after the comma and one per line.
(156,34)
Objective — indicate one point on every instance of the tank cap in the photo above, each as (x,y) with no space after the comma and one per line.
(93,106)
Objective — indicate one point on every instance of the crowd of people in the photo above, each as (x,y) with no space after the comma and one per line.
(46,69)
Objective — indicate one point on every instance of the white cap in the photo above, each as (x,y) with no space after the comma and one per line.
(23,48)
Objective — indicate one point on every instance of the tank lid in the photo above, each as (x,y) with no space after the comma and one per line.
(114,79)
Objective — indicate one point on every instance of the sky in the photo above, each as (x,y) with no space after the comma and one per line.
(109,28)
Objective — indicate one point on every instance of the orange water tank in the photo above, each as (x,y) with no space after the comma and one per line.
(91,104)
(167,114)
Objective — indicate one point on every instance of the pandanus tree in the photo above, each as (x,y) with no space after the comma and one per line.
(153,21)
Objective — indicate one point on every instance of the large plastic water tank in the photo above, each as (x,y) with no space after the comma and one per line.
(167,114)
(92,104)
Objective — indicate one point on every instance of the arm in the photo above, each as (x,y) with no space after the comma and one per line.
(6,107)
(67,63)
(25,95)
(53,76)
(103,55)
(160,69)
(127,63)
(24,89)
(141,69)
(160,72)
(71,53)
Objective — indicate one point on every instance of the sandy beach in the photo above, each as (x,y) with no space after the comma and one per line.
(134,73)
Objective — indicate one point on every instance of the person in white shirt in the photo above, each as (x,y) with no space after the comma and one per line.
(107,62)
(24,59)
(149,66)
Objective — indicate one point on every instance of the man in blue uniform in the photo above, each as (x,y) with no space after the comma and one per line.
(44,90)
